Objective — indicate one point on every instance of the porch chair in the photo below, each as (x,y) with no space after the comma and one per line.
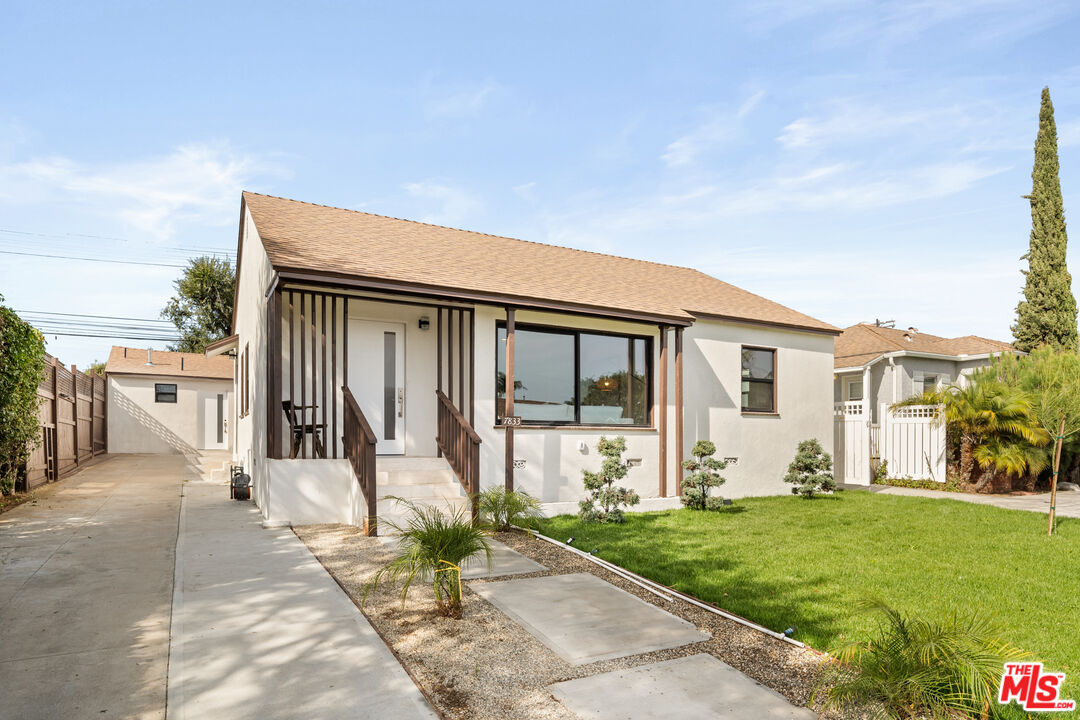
(300,428)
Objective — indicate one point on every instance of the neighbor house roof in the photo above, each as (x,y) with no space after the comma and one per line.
(300,236)
(859,344)
(132,361)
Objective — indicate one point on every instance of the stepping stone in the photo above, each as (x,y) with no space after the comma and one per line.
(697,686)
(585,619)
(504,561)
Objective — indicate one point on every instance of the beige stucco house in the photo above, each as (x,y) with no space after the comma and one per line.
(374,354)
(168,402)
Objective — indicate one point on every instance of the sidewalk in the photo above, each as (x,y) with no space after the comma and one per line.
(261,631)
(1068,503)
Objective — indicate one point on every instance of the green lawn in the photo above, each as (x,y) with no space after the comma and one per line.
(784,561)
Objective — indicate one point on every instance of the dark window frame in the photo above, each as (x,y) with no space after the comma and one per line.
(160,392)
(500,406)
(775,410)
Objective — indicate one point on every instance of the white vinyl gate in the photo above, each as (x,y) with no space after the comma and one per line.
(910,440)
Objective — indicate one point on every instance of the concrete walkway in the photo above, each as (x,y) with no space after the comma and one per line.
(86,579)
(260,630)
(1068,503)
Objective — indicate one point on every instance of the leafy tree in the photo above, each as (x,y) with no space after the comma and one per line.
(811,470)
(22,364)
(97,368)
(1047,314)
(704,474)
(202,308)
(605,500)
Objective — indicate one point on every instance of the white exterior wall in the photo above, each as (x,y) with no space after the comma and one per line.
(137,424)
(764,445)
(249,443)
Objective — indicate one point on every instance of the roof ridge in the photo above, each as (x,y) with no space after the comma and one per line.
(873,331)
(476,232)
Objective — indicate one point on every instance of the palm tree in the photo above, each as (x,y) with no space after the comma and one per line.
(983,411)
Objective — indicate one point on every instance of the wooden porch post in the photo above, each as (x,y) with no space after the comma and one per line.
(662,419)
(438,361)
(678,408)
(273,372)
(509,397)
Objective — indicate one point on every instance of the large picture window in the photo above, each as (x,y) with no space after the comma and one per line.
(575,377)
(758,380)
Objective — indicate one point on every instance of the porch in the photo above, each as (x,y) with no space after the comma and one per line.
(365,385)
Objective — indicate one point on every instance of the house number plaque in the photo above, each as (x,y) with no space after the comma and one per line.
(511,421)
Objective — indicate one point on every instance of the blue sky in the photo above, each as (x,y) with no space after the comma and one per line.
(853,160)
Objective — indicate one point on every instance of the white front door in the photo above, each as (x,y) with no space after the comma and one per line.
(214,407)
(377,380)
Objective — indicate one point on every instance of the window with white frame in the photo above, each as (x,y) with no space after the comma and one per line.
(855,389)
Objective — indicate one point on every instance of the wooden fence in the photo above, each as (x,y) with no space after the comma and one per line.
(72,418)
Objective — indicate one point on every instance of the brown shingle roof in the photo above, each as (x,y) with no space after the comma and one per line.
(859,344)
(302,236)
(196,365)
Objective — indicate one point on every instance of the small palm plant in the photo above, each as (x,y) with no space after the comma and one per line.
(704,474)
(432,545)
(917,668)
(502,508)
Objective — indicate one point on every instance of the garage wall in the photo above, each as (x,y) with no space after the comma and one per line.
(137,424)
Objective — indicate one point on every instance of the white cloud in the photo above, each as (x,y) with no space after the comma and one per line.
(459,103)
(452,205)
(721,129)
(196,183)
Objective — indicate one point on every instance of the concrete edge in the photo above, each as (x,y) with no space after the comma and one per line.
(173,694)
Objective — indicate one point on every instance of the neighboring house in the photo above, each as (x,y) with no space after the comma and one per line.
(168,402)
(877,366)
(391,343)
(885,365)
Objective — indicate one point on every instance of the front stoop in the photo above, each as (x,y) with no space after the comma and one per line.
(421,480)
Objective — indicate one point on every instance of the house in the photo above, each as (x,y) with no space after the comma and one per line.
(168,402)
(884,365)
(877,365)
(374,355)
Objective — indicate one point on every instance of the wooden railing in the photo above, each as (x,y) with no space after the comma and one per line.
(459,444)
(358,442)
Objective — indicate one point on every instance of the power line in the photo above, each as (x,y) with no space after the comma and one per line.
(96,317)
(110,336)
(67,236)
(86,259)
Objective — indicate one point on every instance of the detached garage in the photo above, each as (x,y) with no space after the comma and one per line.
(168,402)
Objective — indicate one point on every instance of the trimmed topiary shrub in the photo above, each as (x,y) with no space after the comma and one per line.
(605,500)
(704,475)
(811,470)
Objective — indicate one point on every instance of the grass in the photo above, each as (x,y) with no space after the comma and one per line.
(785,561)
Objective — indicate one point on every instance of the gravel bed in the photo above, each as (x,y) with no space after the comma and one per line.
(486,666)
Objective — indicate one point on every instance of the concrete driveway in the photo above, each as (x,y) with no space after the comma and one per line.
(86,580)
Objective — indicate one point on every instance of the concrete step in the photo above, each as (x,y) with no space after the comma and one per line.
(387,463)
(420,490)
(414,477)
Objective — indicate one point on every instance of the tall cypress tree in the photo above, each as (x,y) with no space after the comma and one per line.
(1047,314)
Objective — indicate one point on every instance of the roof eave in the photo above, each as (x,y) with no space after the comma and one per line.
(828,330)
(322,277)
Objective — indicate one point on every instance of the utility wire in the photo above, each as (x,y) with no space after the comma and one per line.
(86,259)
(96,317)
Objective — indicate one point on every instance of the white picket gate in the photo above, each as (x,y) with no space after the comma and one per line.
(913,442)
(851,458)
(910,440)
